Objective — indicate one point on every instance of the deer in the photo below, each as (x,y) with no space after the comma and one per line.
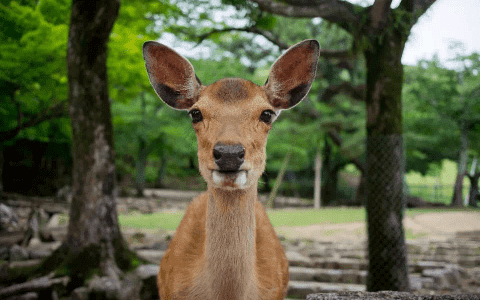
(225,247)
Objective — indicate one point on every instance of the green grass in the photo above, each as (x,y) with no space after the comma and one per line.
(437,184)
(165,221)
(290,217)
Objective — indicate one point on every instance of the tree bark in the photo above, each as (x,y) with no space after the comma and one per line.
(457,198)
(385,164)
(93,239)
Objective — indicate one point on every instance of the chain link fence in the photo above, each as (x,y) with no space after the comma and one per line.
(385,209)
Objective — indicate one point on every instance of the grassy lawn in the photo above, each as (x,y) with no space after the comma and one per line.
(288,217)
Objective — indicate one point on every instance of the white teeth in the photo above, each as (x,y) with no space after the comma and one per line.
(234,180)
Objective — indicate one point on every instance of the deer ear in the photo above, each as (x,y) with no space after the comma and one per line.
(171,75)
(292,74)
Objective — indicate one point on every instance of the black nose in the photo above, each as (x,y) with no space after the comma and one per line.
(228,157)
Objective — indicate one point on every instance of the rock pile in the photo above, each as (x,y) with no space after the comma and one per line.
(315,267)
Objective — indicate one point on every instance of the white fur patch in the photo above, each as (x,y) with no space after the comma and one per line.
(236,180)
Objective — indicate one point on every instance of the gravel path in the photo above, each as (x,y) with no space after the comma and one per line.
(441,226)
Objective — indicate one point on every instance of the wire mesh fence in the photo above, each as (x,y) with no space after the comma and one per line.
(385,208)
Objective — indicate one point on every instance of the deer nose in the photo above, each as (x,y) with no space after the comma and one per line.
(228,157)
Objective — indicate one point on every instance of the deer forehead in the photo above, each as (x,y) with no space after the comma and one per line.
(234,98)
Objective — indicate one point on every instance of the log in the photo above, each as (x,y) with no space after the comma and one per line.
(35,285)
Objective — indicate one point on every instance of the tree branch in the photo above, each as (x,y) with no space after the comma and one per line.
(343,55)
(343,13)
(379,13)
(339,54)
(335,136)
(56,111)
(416,7)
(252,29)
(355,92)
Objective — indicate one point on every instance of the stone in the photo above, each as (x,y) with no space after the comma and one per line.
(4,252)
(39,253)
(147,271)
(161,245)
(423,265)
(443,279)
(18,253)
(152,256)
(350,276)
(389,295)
(27,296)
(8,218)
(415,282)
(25,263)
(302,274)
(148,274)
(296,259)
(131,287)
(53,222)
(300,289)
(103,288)
(80,293)
(34,241)
(42,250)
(329,275)
(65,194)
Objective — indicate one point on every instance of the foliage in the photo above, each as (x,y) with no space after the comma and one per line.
(439,103)
(33,40)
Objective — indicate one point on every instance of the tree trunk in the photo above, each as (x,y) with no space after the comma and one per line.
(457,198)
(318,181)
(2,159)
(385,164)
(161,171)
(142,153)
(278,181)
(329,184)
(141,164)
(266,185)
(93,239)
(474,194)
(360,194)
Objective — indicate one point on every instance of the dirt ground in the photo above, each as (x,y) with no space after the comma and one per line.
(438,226)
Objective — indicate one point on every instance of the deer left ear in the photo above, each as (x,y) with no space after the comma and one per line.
(171,75)
(292,74)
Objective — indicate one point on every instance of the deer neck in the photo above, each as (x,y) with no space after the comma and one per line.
(230,243)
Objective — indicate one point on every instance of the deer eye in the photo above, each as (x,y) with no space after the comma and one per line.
(267,116)
(196,115)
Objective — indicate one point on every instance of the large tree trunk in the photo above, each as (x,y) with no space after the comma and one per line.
(457,198)
(93,240)
(385,164)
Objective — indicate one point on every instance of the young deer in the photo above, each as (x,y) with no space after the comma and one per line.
(225,246)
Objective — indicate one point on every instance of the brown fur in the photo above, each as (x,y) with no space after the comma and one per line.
(225,246)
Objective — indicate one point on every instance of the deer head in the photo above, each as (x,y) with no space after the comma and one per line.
(232,117)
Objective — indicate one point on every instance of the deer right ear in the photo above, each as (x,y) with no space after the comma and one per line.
(292,74)
(171,75)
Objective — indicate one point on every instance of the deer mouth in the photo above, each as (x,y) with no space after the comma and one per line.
(230,179)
